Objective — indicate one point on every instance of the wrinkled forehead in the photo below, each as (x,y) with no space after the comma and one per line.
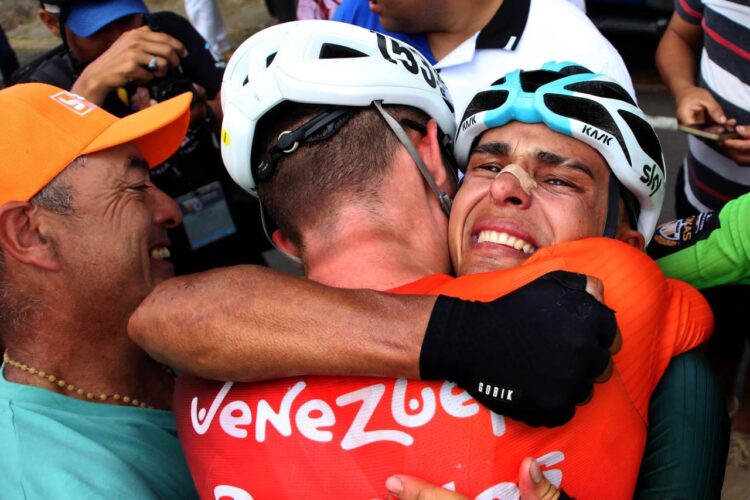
(108,167)
(518,139)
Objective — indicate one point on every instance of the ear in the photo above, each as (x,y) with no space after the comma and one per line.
(625,231)
(51,21)
(22,237)
(428,146)
(285,244)
(631,237)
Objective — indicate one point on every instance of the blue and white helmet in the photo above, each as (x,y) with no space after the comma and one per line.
(590,107)
(326,63)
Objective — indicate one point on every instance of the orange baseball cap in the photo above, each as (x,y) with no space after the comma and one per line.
(44,128)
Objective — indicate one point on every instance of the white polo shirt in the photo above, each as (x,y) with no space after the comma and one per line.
(524,34)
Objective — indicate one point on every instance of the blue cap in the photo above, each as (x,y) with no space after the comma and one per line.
(86,17)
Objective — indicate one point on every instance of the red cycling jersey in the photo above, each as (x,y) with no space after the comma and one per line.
(323,437)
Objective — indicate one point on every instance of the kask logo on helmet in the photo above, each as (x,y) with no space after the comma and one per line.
(472,120)
(598,135)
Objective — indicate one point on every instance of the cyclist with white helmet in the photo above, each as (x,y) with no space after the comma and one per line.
(338,103)
(591,108)
(515,127)
(334,236)
(559,101)
(567,100)
(340,68)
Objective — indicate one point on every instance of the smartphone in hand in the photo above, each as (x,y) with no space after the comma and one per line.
(712,131)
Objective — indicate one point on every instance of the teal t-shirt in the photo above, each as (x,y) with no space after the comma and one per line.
(53,446)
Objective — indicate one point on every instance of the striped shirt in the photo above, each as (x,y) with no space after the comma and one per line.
(713,179)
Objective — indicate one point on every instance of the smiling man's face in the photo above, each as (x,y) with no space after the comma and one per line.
(115,243)
(495,223)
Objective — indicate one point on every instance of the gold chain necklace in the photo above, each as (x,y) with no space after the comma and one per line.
(71,387)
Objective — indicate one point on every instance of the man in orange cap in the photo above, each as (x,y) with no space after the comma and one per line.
(83,236)
(117,54)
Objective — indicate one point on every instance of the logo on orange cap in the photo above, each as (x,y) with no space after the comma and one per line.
(44,128)
(75,103)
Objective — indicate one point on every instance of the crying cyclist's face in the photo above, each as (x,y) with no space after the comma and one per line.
(555,191)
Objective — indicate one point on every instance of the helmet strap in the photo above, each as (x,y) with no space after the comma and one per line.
(320,127)
(613,207)
(443,198)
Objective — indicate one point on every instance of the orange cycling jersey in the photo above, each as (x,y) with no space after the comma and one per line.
(325,437)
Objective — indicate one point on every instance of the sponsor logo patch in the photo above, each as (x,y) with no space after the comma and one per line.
(652,177)
(73,102)
(685,231)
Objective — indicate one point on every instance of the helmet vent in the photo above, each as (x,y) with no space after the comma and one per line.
(335,51)
(532,80)
(574,69)
(589,112)
(645,136)
(483,101)
(270,59)
(607,90)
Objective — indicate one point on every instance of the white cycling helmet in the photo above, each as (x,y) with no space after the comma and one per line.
(325,63)
(592,108)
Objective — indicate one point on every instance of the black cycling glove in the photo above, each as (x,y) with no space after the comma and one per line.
(531,355)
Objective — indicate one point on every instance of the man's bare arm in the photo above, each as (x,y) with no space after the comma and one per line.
(250,323)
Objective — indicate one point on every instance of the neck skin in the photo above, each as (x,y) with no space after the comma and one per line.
(86,346)
(398,241)
(460,25)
